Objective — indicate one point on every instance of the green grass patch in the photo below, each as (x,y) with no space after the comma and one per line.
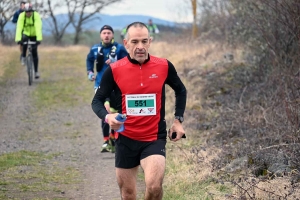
(24,174)
(141,175)
(11,68)
(51,198)
(64,80)
(61,93)
(192,190)
(68,124)
(184,181)
(20,158)
(8,70)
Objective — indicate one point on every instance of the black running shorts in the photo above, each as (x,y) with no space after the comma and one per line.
(129,152)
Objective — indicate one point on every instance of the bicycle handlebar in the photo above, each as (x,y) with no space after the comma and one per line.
(29,42)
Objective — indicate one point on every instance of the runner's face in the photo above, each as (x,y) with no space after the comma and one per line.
(138,43)
(22,6)
(106,36)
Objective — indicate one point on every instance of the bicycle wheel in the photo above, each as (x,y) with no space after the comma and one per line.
(29,63)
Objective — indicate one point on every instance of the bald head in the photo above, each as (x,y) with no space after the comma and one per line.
(135,25)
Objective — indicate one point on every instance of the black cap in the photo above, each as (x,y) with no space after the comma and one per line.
(106,27)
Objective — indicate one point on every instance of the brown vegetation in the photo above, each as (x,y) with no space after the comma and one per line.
(249,107)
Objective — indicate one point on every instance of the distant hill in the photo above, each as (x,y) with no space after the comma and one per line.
(97,21)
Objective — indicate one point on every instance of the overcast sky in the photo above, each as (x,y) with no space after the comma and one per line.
(172,10)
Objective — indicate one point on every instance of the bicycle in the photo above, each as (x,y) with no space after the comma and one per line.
(29,60)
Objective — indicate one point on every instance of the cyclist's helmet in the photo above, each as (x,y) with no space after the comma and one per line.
(28,7)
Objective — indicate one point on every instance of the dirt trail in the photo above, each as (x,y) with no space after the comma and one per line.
(21,129)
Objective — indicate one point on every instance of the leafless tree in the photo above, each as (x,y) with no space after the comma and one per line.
(85,10)
(212,16)
(57,27)
(7,10)
(79,12)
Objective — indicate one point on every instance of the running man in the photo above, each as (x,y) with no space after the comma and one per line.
(139,84)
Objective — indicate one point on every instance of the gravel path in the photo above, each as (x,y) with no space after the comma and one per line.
(23,128)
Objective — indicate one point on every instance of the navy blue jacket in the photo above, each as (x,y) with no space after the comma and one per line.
(16,15)
(106,50)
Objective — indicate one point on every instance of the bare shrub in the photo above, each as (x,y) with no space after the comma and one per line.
(254,107)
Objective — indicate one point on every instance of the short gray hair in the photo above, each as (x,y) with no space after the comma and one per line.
(135,24)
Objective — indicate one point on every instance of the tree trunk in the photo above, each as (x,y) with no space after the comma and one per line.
(195,28)
(77,35)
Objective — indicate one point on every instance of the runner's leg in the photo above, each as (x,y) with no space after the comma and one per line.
(127,182)
(107,146)
(154,170)
(105,130)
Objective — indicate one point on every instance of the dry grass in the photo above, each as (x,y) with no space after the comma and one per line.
(49,49)
(203,53)
(63,71)
(277,188)
(188,176)
(190,173)
(281,186)
(6,55)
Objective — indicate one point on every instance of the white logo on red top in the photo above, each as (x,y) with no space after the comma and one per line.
(153,76)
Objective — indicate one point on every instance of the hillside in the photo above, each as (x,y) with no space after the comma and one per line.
(96,22)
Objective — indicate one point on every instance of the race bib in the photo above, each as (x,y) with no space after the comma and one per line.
(140,104)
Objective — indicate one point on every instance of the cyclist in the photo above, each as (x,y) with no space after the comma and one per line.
(123,33)
(139,84)
(152,29)
(29,26)
(15,19)
(103,54)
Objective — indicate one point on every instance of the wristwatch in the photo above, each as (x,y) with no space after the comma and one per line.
(180,118)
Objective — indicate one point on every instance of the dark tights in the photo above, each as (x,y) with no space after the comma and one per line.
(34,52)
(105,129)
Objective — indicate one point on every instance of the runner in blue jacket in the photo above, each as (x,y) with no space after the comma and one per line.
(102,55)
(106,52)
(15,20)
(17,13)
